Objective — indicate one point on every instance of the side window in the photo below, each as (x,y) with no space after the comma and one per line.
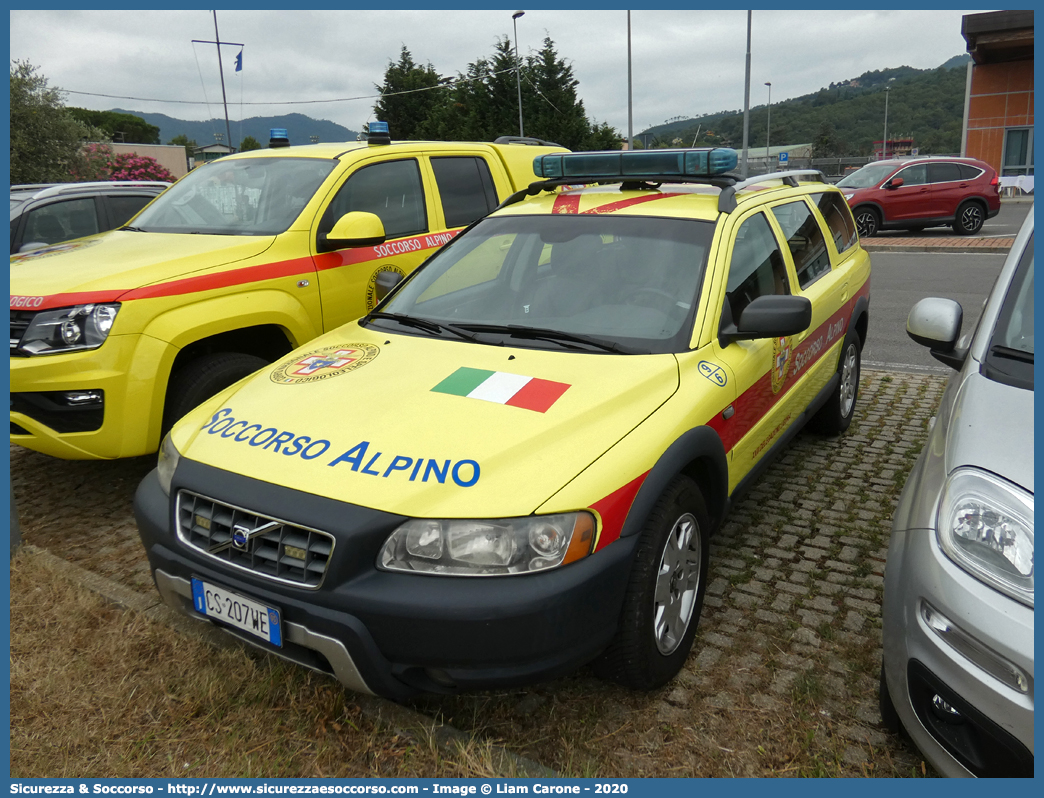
(914,175)
(968,172)
(756,268)
(61,221)
(838,217)
(123,207)
(466,189)
(805,240)
(393,190)
(943,172)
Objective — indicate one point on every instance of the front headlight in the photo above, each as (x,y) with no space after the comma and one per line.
(72,329)
(848,195)
(494,547)
(168,461)
(985,525)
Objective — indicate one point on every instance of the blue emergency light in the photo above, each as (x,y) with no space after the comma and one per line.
(378,133)
(636,164)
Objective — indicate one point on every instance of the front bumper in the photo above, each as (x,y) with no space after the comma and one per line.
(993,733)
(395,634)
(124,369)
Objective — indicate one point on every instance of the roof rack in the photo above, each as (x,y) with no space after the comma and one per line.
(727,199)
(722,181)
(72,188)
(524,140)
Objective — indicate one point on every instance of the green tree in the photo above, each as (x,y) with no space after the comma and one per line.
(411,99)
(553,111)
(249,143)
(189,144)
(603,137)
(123,128)
(45,137)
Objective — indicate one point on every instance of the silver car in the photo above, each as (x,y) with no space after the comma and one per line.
(958,595)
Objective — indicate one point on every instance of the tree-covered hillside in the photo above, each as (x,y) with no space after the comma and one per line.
(846,118)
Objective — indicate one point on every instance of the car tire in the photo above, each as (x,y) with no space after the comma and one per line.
(889,717)
(200,379)
(970,218)
(665,592)
(835,416)
(868,221)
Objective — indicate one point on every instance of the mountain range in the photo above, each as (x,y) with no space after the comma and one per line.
(299,127)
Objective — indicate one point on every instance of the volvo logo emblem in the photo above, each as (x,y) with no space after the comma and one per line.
(241,536)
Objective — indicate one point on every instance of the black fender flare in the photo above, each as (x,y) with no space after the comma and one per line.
(873,205)
(859,312)
(698,452)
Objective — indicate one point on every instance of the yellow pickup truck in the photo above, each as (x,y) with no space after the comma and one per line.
(116,336)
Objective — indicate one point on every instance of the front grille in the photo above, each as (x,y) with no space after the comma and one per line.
(20,321)
(281,551)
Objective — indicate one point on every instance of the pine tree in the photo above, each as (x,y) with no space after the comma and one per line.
(410,99)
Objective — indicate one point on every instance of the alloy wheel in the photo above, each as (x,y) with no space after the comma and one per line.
(677,582)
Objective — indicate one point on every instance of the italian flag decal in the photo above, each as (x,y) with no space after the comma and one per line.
(503,388)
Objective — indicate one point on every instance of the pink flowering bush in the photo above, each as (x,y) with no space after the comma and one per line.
(129,166)
(98,162)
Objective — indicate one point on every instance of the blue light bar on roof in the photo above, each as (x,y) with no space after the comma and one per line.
(636,164)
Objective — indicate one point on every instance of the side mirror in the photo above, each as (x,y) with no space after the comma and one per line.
(384,283)
(895,182)
(766,317)
(355,229)
(936,323)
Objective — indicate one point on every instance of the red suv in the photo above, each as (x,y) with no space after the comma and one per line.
(915,193)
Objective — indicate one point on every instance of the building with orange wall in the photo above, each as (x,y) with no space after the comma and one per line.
(998,124)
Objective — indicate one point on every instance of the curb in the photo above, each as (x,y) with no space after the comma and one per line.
(995,246)
(404,721)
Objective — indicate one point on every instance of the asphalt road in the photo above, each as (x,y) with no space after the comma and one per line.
(899,280)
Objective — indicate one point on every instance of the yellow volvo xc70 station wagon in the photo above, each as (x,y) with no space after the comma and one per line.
(513,465)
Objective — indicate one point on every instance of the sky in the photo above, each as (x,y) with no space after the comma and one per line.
(684,62)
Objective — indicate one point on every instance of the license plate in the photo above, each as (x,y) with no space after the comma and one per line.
(239,611)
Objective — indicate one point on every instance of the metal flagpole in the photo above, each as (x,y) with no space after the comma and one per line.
(221,70)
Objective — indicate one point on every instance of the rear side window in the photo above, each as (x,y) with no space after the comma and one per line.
(968,172)
(466,188)
(805,240)
(943,172)
(61,221)
(838,217)
(122,208)
(392,190)
(756,268)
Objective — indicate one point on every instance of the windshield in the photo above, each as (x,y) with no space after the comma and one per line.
(869,175)
(1010,356)
(249,196)
(630,282)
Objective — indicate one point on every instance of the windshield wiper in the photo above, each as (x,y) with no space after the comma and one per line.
(544,334)
(1013,354)
(133,229)
(421,324)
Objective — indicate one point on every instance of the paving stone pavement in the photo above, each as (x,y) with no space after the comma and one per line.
(791,623)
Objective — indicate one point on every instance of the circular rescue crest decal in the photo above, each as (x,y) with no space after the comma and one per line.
(781,357)
(55,249)
(371,287)
(319,364)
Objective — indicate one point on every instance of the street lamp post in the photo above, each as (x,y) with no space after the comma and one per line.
(768,124)
(884,141)
(518,70)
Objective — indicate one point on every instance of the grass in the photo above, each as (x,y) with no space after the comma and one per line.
(98,692)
